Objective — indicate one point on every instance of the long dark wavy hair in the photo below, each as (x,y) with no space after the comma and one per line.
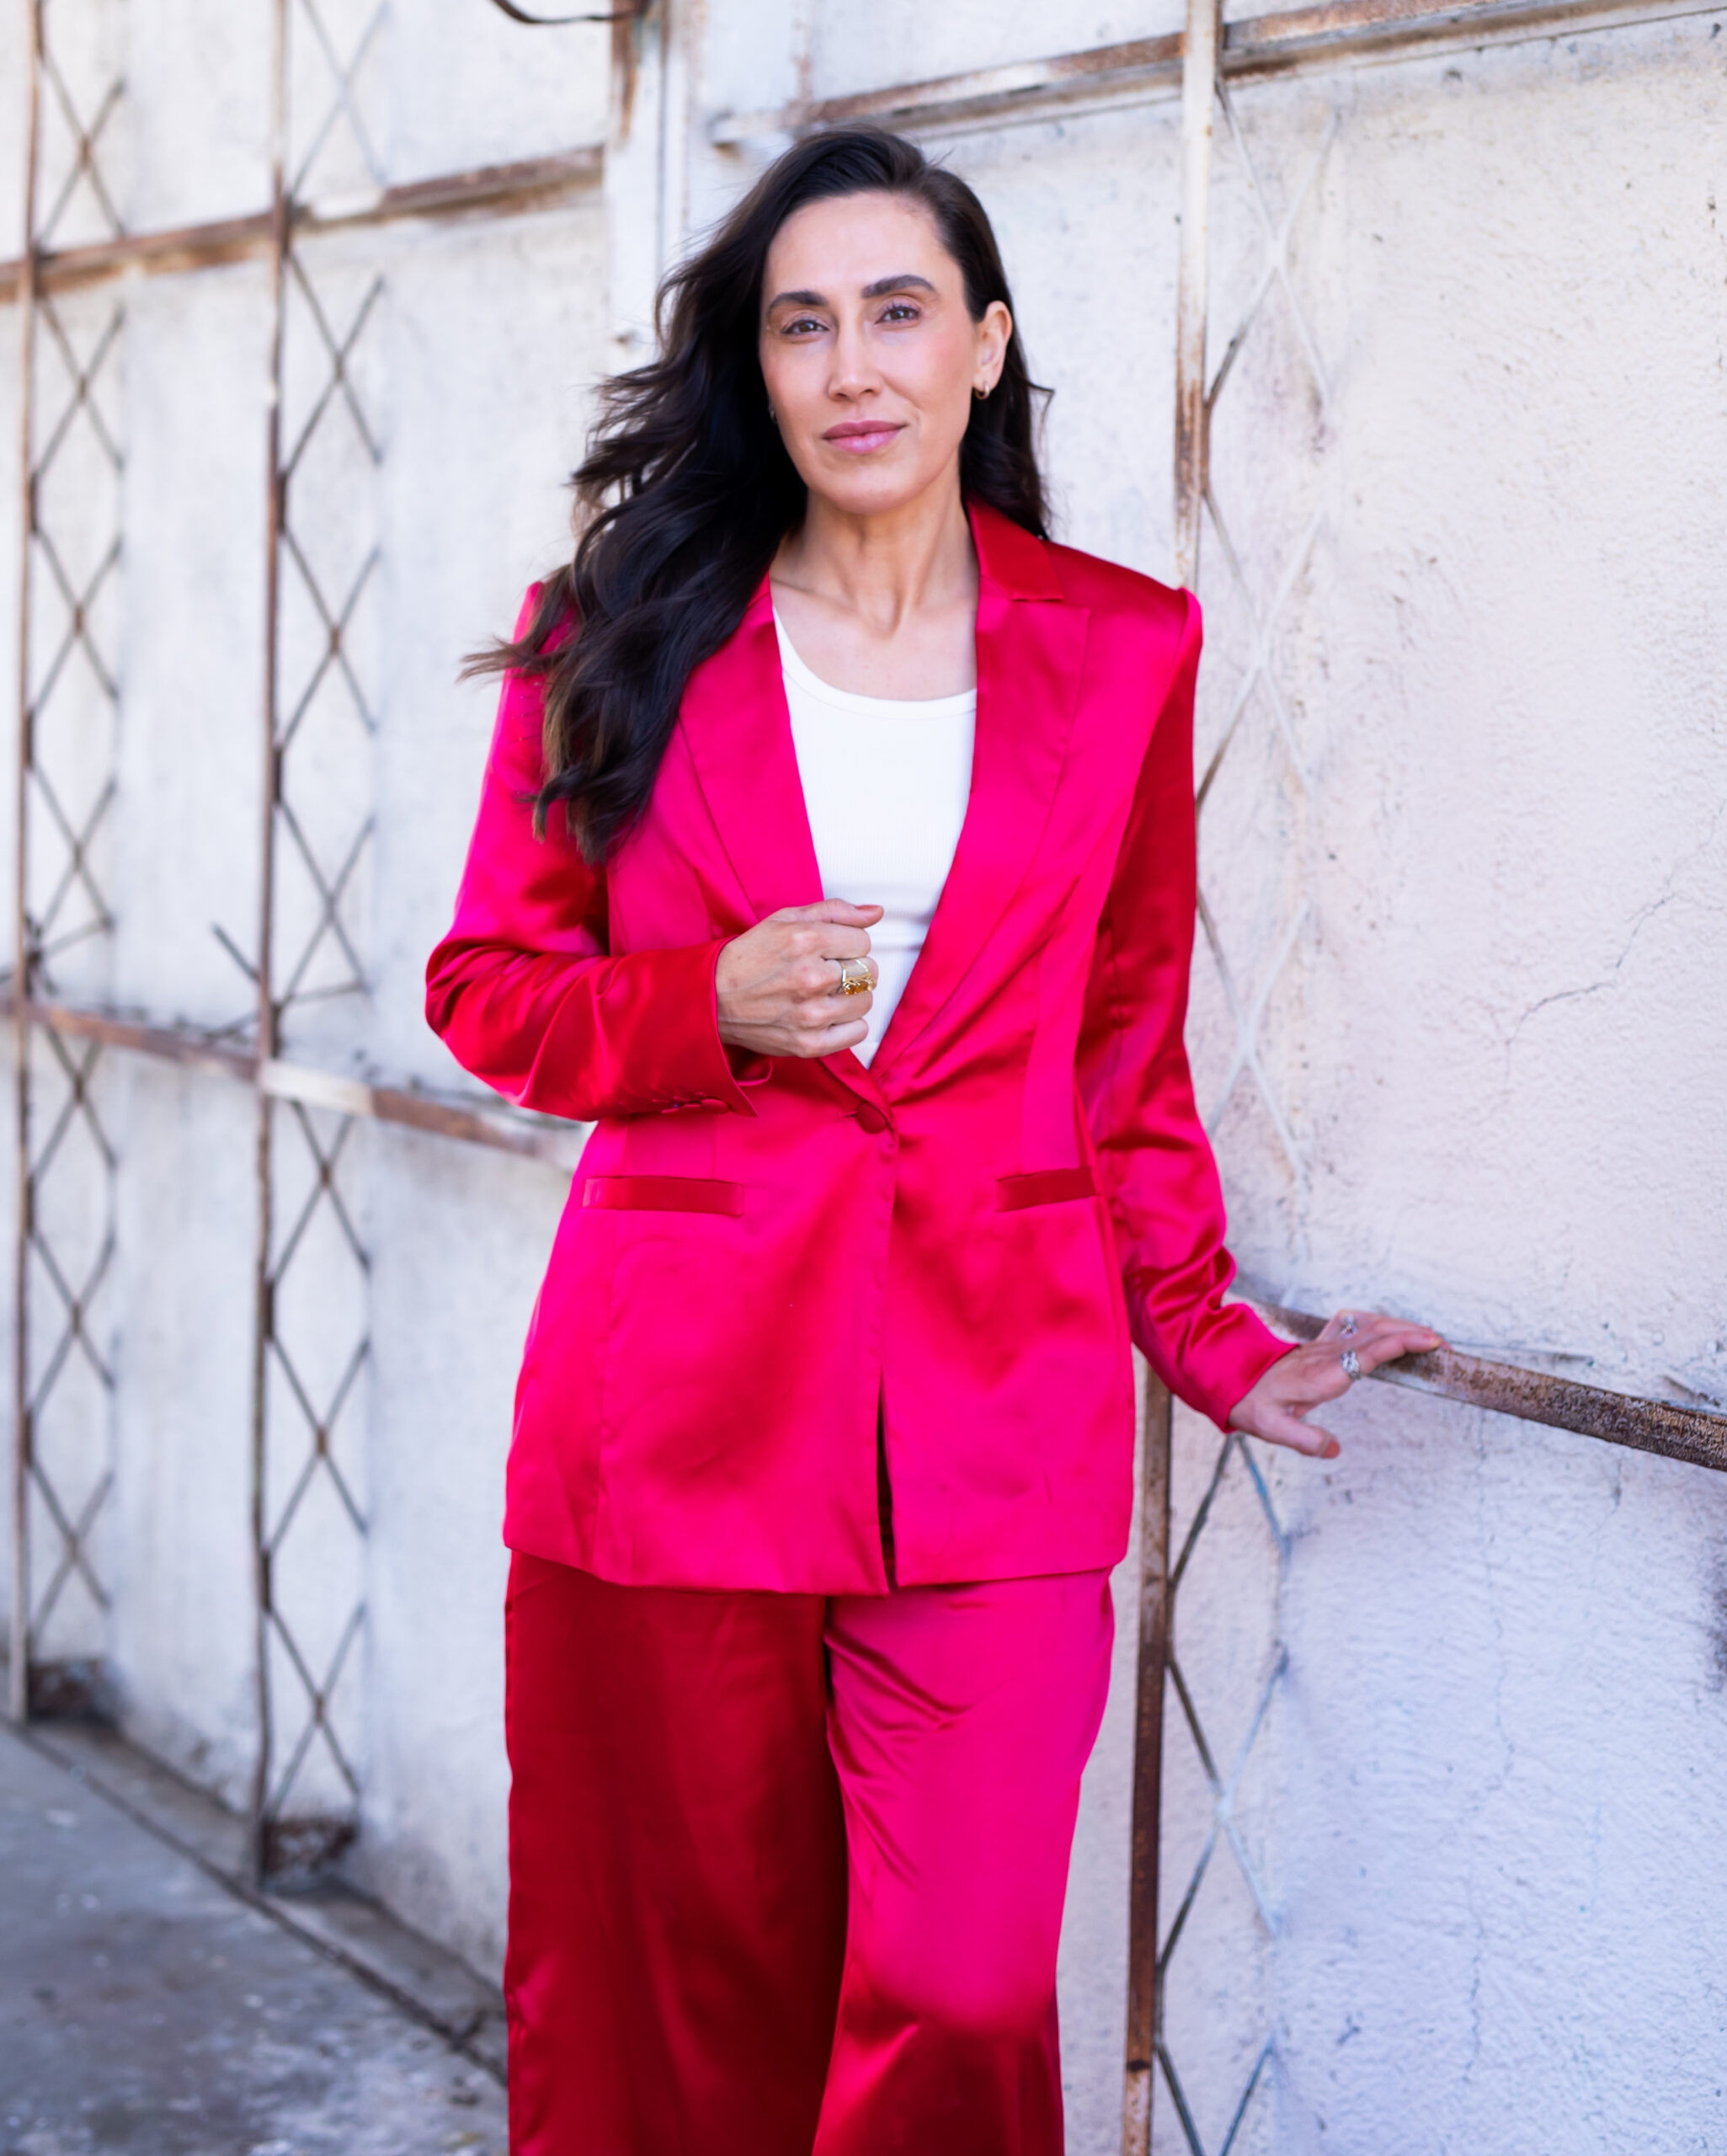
(687,491)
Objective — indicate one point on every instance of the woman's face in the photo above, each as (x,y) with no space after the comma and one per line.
(868,353)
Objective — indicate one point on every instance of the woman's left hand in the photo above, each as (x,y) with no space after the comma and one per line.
(1307,1377)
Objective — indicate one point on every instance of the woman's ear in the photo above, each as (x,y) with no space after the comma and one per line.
(994,333)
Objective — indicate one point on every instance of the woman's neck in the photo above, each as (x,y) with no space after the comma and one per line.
(884,570)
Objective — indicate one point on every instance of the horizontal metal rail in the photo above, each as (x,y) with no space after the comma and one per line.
(1261,44)
(1657,1426)
(1258,45)
(492,189)
(312,1088)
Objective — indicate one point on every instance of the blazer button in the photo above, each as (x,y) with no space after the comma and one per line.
(871,1118)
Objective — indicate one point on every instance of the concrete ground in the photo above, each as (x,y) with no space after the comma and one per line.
(147,2005)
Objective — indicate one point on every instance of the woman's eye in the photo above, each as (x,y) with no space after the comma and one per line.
(803,324)
(901,311)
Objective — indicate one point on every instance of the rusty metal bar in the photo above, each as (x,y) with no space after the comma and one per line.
(266,1017)
(1199,46)
(18,1676)
(1295,37)
(1135,62)
(1643,1424)
(281,1080)
(493,190)
(1257,46)
(171,1045)
(1657,1426)
(1199,97)
(1154,1658)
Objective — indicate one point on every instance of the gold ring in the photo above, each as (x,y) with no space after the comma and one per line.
(854,980)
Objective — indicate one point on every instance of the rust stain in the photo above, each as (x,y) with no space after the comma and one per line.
(1644,1425)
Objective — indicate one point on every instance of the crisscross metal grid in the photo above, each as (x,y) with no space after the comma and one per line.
(1256,775)
(1228,1685)
(69,698)
(1256,780)
(314,1342)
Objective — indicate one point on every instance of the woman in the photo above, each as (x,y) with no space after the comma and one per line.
(835,859)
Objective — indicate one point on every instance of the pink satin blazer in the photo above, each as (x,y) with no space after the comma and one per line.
(755,1254)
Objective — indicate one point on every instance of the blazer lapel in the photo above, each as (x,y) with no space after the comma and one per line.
(739,735)
(738,729)
(1031,652)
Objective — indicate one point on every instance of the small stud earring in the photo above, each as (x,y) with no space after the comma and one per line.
(980,390)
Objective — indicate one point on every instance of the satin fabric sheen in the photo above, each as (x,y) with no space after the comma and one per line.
(695,1967)
(698,1398)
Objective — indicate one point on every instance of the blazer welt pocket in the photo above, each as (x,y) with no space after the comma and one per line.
(663,1194)
(1043,1186)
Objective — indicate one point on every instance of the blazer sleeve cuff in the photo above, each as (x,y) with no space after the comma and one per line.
(646,1039)
(702,1070)
(1215,1377)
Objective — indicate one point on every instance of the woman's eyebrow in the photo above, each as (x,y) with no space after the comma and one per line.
(905,280)
(902,281)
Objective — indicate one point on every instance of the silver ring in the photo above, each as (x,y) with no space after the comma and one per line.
(1351,1364)
(1346,1323)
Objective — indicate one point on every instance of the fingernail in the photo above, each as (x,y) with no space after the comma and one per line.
(1331,1450)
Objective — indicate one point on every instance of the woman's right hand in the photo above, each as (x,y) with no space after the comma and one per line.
(778,984)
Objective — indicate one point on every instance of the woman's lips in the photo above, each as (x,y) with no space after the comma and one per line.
(858,441)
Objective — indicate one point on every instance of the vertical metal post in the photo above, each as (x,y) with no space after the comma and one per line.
(1142,2000)
(267,1014)
(1199,83)
(18,1687)
(1199,91)
(635,177)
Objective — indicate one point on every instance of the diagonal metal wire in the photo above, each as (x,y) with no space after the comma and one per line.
(1184,2111)
(83,374)
(329,924)
(86,142)
(342,106)
(74,1538)
(1262,611)
(338,351)
(1224,1830)
(1248,1014)
(1276,227)
(64,1146)
(300,1422)
(337,621)
(317,1731)
(317,1724)
(330,880)
(1275,231)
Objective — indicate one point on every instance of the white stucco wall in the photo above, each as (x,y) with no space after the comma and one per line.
(1489,855)
(1485,1808)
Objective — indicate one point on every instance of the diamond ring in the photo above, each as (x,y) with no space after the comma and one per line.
(1351,1364)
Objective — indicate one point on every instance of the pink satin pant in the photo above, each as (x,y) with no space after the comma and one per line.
(786,1873)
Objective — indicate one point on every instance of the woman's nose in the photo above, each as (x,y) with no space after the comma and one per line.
(853,373)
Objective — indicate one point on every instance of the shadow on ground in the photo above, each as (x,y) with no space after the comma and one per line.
(145,2006)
